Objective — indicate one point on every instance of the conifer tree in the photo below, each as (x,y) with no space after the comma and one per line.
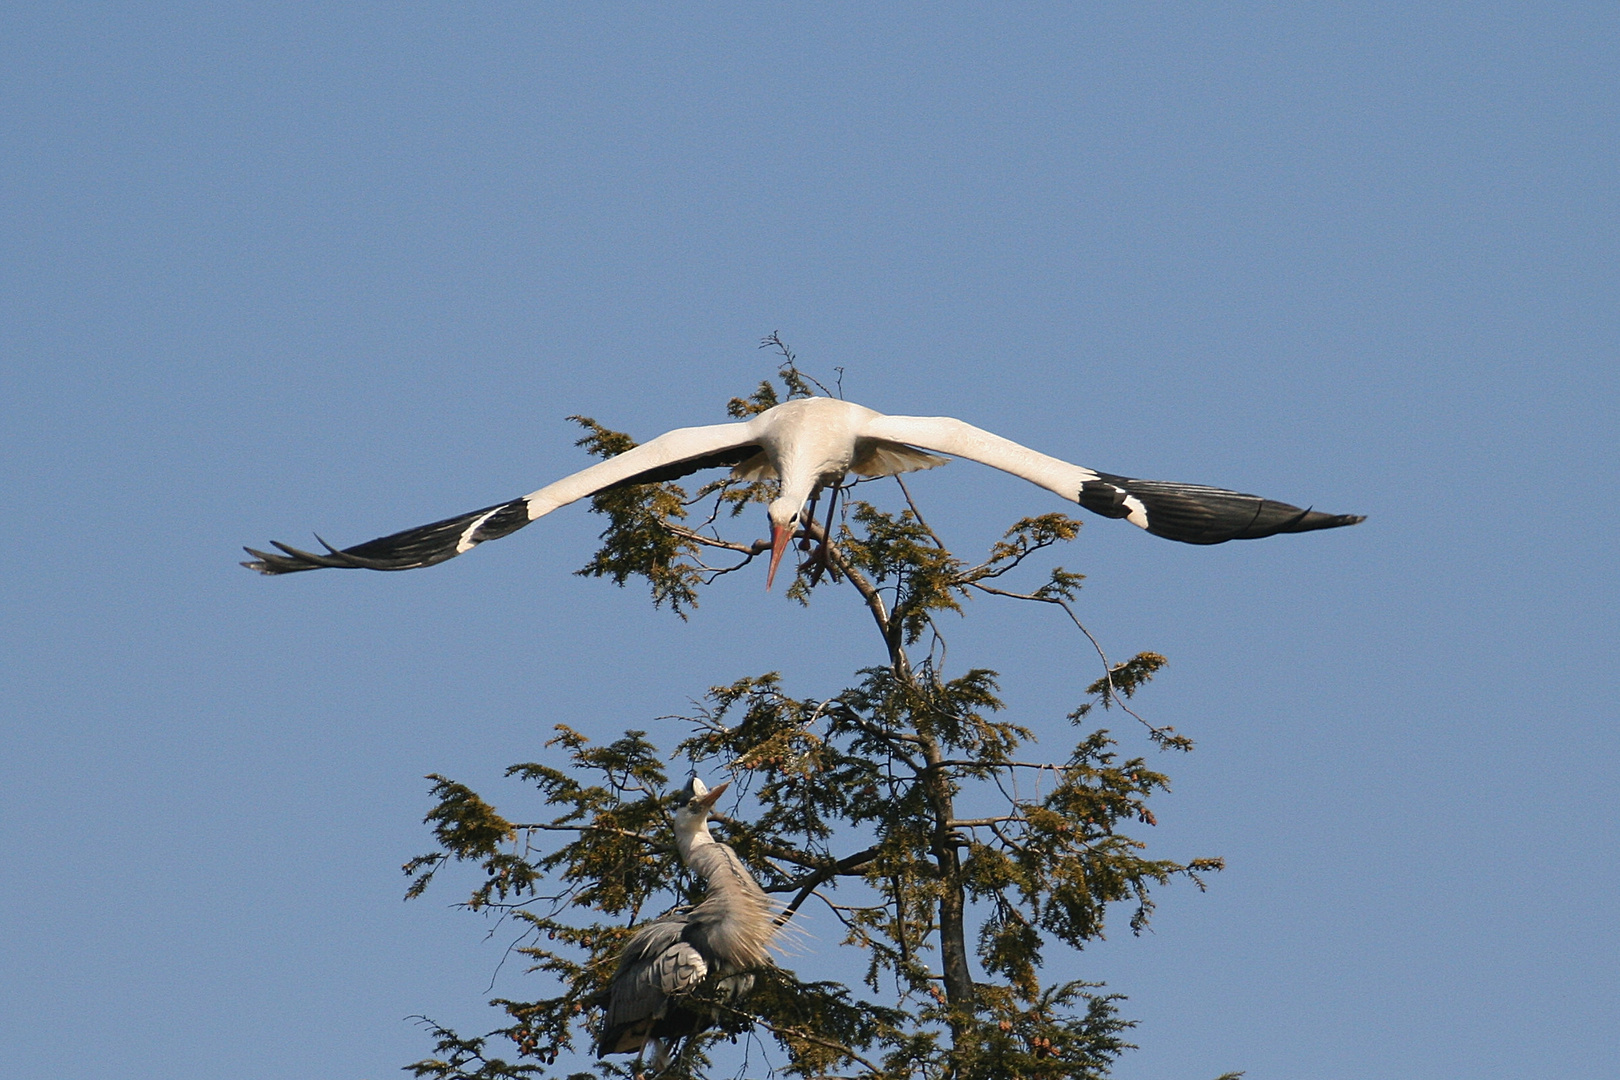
(850,805)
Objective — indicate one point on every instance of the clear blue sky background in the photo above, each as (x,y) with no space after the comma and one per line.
(273,268)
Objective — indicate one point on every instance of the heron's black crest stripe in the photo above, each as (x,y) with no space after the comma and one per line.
(424,545)
(732,455)
(1195,514)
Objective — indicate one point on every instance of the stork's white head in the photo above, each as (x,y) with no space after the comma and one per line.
(691,816)
(784,514)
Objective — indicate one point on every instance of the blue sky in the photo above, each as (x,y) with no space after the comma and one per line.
(271,269)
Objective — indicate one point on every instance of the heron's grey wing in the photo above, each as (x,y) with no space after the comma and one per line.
(655,966)
(650,939)
(670,456)
(677,970)
(1190,513)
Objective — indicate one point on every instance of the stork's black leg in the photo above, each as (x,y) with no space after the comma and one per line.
(808,516)
(822,560)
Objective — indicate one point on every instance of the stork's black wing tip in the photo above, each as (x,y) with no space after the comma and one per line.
(271,564)
(260,561)
(1196,514)
(1316,520)
(425,545)
(292,560)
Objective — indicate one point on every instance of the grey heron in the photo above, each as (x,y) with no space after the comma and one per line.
(813,443)
(725,936)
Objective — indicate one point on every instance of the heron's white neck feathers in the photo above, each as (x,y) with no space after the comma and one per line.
(691,833)
(741,919)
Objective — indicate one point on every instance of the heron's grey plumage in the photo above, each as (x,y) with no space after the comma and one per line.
(726,935)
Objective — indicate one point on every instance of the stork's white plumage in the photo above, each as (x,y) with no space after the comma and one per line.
(814,443)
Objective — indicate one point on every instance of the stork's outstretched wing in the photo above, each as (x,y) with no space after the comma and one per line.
(816,441)
(407,550)
(668,457)
(1190,513)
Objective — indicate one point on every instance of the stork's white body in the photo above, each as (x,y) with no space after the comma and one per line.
(816,442)
(808,443)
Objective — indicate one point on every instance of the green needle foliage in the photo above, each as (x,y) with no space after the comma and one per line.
(848,803)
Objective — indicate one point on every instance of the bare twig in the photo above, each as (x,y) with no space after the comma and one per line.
(784,1032)
(918,514)
(631,834)
(1113,694)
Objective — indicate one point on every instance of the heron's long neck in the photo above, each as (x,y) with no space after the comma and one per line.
(688,842)
(738,918)
(716,864)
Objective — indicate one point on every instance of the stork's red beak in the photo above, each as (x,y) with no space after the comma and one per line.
(780,538)
(713,795)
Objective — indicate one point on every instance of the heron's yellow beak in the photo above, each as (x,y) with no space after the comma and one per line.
(713,795)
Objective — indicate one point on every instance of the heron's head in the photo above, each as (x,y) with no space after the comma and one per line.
(696,800)
(784,514)
(691,815)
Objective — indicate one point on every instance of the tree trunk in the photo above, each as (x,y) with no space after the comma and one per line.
(953,951)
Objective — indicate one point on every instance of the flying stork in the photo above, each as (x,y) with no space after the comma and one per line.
(813,443)
(727,936)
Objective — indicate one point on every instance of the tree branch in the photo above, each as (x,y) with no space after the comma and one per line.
(1159,734)
(810,882)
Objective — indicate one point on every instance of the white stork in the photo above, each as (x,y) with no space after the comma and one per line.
(813,443)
